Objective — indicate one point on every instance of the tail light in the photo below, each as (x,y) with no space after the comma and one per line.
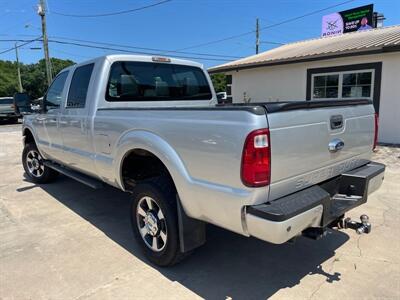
(376,131)
(256,159)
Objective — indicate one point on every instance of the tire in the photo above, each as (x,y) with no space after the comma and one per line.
(14,120)
(159,239)
(33,165)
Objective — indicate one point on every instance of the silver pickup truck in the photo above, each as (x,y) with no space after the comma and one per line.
(152,126)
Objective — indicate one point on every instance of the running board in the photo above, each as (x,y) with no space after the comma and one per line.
(87,180)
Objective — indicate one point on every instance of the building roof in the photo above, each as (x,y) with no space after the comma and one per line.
(384,39)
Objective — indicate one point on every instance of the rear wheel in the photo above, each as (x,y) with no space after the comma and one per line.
(34,167)
(155,223)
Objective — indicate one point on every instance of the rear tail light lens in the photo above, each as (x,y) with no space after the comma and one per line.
(256,159)
(376,131)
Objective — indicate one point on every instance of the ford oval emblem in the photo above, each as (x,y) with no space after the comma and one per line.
(335,145)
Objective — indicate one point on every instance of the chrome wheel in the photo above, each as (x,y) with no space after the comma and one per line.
(34,163)
(151,224)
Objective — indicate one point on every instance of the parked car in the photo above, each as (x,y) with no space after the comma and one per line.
(7,110)
(151,126)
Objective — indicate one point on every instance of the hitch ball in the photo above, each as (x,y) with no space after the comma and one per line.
(365,226)
(364,219)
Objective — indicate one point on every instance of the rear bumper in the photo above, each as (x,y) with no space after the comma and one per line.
(317,206)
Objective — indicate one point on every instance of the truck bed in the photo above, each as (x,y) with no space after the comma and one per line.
(300,132)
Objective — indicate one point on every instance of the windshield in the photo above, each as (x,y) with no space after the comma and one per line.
(144,81)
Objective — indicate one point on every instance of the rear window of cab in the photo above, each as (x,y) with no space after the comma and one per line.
(147,81)
(7,101)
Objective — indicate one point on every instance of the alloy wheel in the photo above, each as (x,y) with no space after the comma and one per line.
(34,162)
(151,224)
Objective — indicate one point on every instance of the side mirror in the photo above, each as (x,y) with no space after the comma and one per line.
(221,97)
(22,103)
(36,107)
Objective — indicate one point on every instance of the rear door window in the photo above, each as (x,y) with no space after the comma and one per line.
(145,81)
(79,86)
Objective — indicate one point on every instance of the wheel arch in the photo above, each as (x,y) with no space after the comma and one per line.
(140,164)
(28,136)
(191,231)
(146,143)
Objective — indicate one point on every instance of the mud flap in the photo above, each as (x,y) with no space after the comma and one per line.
(192,232)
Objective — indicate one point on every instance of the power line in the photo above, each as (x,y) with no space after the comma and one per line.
(18,46)
(109,48)
(14,40)
(128,51)
(21,48)
(273,43)
(144,48)
(266,27)
(69,53)
(112,13)
(16,25)
(160,51)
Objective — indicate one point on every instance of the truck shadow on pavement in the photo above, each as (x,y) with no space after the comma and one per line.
(228,265)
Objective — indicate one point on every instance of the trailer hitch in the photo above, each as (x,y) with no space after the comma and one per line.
(360,227)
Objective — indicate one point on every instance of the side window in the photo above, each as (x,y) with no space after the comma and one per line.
(357,85)
(354,84)
(79,86)
(54,93)
(326,86)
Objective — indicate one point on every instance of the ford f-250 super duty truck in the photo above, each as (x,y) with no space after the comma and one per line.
(152,126)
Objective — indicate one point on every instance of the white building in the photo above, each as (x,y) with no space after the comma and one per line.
(350,66)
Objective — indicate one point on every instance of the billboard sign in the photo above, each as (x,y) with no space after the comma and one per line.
(355,19)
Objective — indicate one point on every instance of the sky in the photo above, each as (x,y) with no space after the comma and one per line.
(173,25)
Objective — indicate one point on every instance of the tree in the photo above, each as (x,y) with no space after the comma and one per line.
(219,82)
(8,78)
(33,76)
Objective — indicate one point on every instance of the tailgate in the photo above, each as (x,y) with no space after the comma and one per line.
(6,108)
(300,139)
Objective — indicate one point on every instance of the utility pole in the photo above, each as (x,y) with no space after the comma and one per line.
(18,70)
(257,36)
(42,14)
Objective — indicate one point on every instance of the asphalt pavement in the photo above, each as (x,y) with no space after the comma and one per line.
(66,241)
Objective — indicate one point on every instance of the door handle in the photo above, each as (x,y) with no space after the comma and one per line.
(336,122)
(40,118)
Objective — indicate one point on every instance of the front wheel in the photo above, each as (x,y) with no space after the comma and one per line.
(155,223)
(34,167)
